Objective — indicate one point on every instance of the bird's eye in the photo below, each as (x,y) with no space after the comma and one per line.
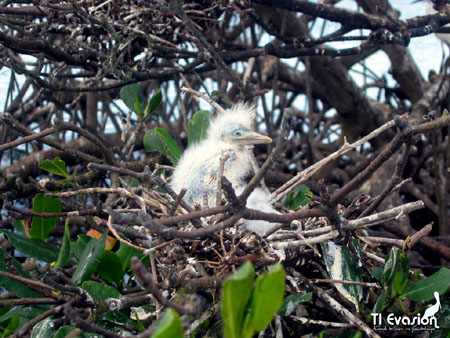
(237,133)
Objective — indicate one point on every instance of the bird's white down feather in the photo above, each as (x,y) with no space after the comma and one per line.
(198,167)
(258,200)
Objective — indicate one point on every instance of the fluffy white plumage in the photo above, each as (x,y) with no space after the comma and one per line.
(197,170)
(258,200)
(198,167)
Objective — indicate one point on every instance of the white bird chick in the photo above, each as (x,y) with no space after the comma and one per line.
(197,171)
(229,133)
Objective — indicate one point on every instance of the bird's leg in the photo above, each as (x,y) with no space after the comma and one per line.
(226,154)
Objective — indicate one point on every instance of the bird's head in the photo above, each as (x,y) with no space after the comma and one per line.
(233,127)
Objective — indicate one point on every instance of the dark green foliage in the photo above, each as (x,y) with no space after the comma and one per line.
(40,226)
(160,140)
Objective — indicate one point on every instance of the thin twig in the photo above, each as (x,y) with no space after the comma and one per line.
(248,70)
(403,136)
(326,233)
(154,276)
(374,257)
(176,203)
(310,171)
(419,235)
(256,168)
(91,137)
(342,311)
(178,8)
(15,124)
(35,285)
(26,139)
(155,226)
(120,239)
(130,193)
(143,176)
(305,320)
(396,178)
(383,240)
(306,242)
(32,322)
(348,282)
(223,158)
(381,217)
(204,97)
(146,280)
(26,301)
(286,127)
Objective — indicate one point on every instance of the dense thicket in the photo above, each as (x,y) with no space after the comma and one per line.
(69,62)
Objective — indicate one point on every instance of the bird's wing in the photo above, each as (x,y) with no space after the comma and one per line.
(197,171)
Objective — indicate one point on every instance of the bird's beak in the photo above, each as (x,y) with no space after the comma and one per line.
(254,138)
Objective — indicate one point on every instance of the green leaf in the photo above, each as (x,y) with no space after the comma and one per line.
(236,295)
(40,226)
(268,294)
(377,272)
(160,140)
(290,303)
(445,113)
(343,265)
(133,97)
(395,274)
(43,329)
(12,285)
(138,109)
(122,317)
(19,225)
(78,247)
(28,312)
(90,259)
(63,331)
(424,289)
(125,253)
(10,326)
(390,267)
(154,103)
(56,166)
(64,252)
(401,277)
(100,291)
(153,142)
(382,302)
(298,197)
(170,145)
(198,126)
(32,247)
(110,267)
(170,326)
(112,326)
